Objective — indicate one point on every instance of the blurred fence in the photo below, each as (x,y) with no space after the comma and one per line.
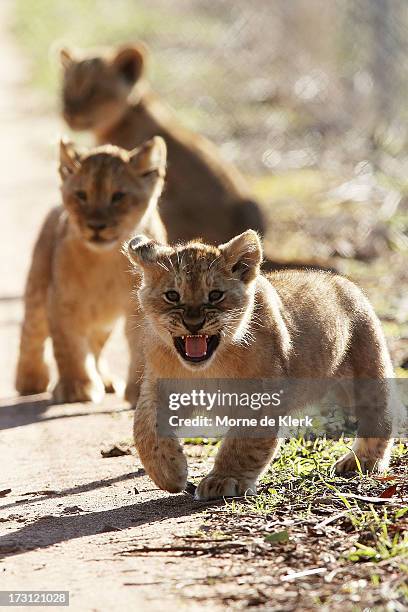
(282,84)
(299,83)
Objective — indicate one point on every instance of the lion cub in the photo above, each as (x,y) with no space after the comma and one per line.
(79,282)
(107,94)
(209,313)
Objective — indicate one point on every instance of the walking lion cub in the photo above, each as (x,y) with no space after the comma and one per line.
(79,282)
(210,313)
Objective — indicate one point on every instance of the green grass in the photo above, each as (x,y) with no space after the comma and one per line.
(386,542)
(302,470)
(303,474)
(305,518)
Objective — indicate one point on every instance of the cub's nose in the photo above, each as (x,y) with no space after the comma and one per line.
(193,325)
(193,318)
(96,224)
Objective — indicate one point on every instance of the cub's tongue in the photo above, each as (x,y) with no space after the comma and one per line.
(196,346)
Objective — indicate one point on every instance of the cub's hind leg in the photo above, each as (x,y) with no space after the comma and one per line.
(371,450)
(79,379)
(375,405)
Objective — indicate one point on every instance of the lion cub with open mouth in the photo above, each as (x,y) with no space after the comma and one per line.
(209,313)
(79,283)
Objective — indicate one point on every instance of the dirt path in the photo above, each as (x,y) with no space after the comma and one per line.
(71,514)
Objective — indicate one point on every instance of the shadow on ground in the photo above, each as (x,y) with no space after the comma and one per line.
(85,488)
(25,411)
(49,530)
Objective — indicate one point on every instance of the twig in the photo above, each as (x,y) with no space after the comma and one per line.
(376,500)
(309,572)
(329,520)
(182,548)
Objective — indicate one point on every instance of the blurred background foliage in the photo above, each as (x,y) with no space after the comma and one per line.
(307,97)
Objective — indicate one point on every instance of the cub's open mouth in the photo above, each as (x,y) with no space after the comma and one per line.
(196,348)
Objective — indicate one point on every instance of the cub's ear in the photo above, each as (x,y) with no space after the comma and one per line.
(147,253)
(243,255)
(66,57)
(150,157)
(129,62)
(70,159)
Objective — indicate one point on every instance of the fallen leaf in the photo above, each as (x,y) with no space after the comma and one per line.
(401,526)
(278,537)
(389,491)
(386,478)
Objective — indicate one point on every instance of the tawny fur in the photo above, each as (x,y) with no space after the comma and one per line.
(79,282)
(295,324)
(106,93)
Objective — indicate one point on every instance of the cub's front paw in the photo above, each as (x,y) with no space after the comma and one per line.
(165,463)
(214,486)
(348,463)
(72,391)
(31,381)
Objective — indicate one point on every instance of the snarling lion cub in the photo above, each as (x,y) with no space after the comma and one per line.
(106,92)
(211,314)
(79,283)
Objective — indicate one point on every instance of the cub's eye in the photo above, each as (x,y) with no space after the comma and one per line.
(149,173)
(215,296)
(172,296)
(117,197)
(81,195)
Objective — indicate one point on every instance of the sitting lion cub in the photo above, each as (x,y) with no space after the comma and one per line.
(79,282)
(211,314)
(108,94)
